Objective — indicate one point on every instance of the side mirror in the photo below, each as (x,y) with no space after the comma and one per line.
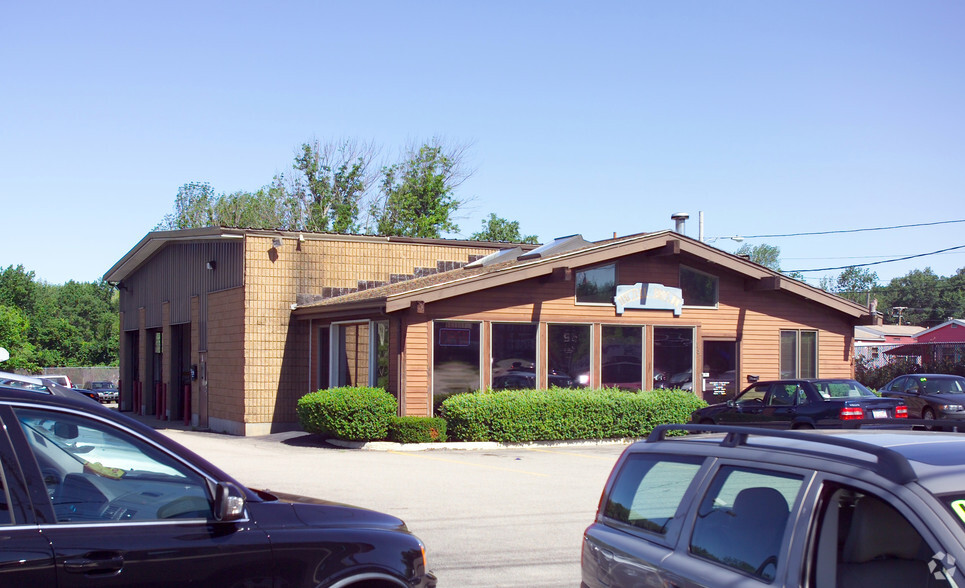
(229,502)
(731,403)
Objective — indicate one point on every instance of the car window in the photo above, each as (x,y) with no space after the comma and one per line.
(648,490)
(783,395)
(94,472)
(753,395)
(5,517)
(800,396)
(863,540)
(742,519)
(842,389)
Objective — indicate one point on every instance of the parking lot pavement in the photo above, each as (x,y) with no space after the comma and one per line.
(503,517)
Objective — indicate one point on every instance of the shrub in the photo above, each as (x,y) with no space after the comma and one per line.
(352,414)
(411,429)
(559,414)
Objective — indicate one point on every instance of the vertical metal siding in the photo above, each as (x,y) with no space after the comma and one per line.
(175,275)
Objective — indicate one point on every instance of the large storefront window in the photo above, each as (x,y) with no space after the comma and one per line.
(597,285)
(799,354)
(455,359)
(514,356)
(569,356)
(622,357)
(673,358)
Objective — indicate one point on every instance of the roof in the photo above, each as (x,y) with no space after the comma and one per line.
(457,282)
(157,240)
(879,332)
(952,322)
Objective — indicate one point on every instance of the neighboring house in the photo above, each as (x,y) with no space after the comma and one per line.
(872,341)
(227,328)
(945,342)
(207,334)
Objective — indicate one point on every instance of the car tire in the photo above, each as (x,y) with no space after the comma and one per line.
(804,426)
(929,415)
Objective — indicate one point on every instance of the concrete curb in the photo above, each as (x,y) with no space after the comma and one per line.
(470,445)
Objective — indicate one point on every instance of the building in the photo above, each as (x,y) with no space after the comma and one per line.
(207,333)
(871,342)
(934,346)
(227,328)
(645,311)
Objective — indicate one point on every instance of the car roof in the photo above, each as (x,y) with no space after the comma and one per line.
(933,376)
(934,459)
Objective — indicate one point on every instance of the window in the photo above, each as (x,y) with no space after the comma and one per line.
(649,489)
(455,359)
(596,285)
(622,357)
(96,473)
(569,356)
(5,517)
(352,349)
(673,357)
(753,396)
(799,354)
(742,519)
(514,356)
(698,288)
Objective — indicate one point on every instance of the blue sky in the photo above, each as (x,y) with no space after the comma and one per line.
(582,117)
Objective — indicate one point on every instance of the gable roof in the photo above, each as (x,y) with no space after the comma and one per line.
(952,322)
(457,282)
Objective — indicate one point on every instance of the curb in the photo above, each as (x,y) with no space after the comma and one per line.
(470,445)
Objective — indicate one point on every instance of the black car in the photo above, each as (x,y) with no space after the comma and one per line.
(802,404)
(929,396)
(749,507)
(93,498)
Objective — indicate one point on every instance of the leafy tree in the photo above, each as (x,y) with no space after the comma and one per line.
(417,195)
(854,283)
(334,179)
(193,208)
(923,298)
(14,329)
(18,289)
(499,229)
(767,255)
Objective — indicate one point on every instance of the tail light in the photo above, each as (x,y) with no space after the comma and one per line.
(901,412)
(852,413)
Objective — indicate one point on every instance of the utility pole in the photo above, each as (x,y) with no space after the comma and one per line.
(898,310)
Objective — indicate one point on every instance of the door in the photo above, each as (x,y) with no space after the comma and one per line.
(746,408)
(25,556)
(126,512)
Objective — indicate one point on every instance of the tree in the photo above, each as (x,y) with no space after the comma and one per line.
(923,298)
(417,195)
(854,283)
(334,179)
(193,208)
(767,255)
(499,229)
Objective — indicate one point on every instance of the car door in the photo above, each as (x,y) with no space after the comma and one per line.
(124,511)
(26,558)
(781,404)
(746,408)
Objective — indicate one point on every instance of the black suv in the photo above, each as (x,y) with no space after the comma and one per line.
(89,497)
(758,507)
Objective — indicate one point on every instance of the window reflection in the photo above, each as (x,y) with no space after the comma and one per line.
(622,357)
(569,356)
(514,356)
(455,359)
(597,285)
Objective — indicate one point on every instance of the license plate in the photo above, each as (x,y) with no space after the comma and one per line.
(879,414)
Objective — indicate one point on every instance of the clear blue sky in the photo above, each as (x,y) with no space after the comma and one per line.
(583,117)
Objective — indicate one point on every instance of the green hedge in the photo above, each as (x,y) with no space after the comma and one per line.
(412,429)
(517,416)
(352,414)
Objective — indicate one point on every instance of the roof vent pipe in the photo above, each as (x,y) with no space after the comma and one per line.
(681,219)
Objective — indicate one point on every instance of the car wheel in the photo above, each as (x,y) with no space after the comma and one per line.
(804,426)
(929,415)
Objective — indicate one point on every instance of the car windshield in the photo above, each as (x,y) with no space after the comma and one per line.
(955,503)
(842,389)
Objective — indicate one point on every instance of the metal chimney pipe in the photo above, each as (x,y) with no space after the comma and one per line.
(680,218)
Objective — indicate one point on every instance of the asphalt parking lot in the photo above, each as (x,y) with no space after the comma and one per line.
(500,517)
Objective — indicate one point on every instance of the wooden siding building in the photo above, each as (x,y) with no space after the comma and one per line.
(656,310)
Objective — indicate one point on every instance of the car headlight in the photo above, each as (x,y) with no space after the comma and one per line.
(952,407)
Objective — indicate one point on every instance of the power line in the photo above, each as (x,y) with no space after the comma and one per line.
(825,269)
(855,230)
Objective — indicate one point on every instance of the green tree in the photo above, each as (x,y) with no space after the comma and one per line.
(767,255)
(417,195)
(499,229)
(854,283)
(923,298)
(193,208)
(334,179)
(14,337)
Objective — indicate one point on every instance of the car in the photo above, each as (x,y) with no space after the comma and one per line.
(59,379)
(750,507)
(106,391)
(41,384)
(92,497)
(930,396)
(802,404)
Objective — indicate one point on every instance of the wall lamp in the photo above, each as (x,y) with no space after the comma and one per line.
(211,265)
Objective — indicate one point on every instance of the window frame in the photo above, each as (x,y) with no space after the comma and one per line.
(799,354)
(576,285)
(716,280)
